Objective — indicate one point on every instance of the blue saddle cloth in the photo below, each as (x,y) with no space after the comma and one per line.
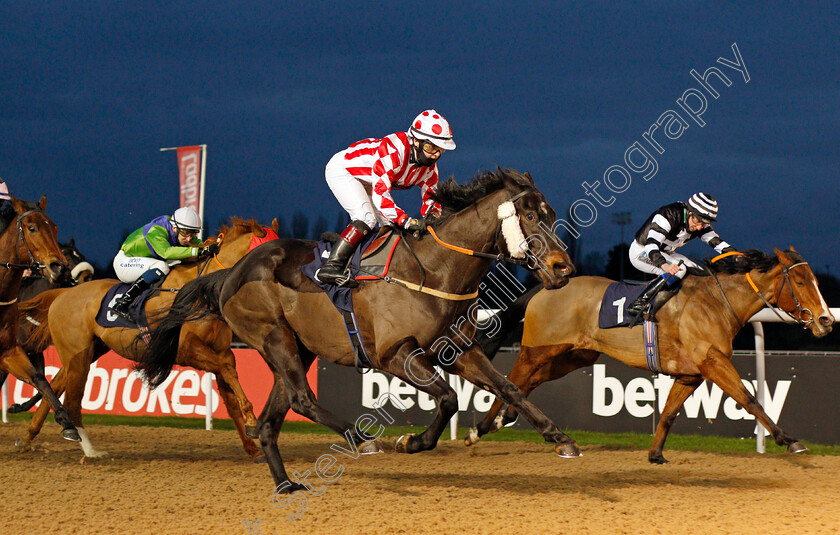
(341,297)
(617,297)
(106,318)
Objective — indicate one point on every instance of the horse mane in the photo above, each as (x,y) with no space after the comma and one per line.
(239,226)
(752,259)
(454,197)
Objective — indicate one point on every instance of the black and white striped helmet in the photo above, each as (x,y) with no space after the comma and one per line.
(703,206)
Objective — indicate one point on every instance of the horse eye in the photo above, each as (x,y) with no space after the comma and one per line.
(799,283)
(530,216)
(32,228)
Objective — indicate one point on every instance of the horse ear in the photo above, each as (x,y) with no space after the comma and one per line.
(72,242)
(529,177)
(782,256)
(793,250)
(42,204)
(275,225)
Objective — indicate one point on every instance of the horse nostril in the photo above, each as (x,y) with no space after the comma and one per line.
(826,321)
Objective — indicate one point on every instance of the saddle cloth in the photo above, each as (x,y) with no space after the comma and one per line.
(617,297)
(106,318)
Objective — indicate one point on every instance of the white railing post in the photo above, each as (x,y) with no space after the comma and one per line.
(4,394)
(759,378)
(207,386)
(453,422)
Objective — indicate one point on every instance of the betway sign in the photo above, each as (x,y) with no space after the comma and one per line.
(611,397)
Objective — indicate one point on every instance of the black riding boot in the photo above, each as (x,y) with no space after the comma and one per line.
(334,270)
(640,305)
(122,305)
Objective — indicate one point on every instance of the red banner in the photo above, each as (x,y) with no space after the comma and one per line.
(113,387)
(189,170)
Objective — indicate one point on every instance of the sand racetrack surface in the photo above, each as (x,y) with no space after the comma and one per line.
(164,480)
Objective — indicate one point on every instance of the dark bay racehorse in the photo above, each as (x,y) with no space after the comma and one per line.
(80,271)
(27,241)
(272,306)
(67,319)
(696,329)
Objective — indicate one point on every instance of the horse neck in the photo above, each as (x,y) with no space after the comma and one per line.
(741,295)
(473,228)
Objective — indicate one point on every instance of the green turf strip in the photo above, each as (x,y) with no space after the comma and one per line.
(583,438)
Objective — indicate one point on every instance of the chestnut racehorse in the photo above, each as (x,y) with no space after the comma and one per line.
(272,306)
(27,241)
(696,329)
(66,318)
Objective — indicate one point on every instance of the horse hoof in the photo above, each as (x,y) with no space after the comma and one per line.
(472,437)
(401,445)
(251,431)
(262,459)
(370,448)
(71,434)
(568,451)
(657,459)
(797,447)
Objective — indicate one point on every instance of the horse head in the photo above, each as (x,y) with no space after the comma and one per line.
(545,254)
(799,295)
(35,241)
(80,269)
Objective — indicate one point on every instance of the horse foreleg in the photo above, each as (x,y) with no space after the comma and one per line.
(535,366)
(718,368)
(17,363)
(421,374)
(232,404)
(680,390)
(473,366)
(77,368)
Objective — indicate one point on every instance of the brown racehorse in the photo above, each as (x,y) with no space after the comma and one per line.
(27,241)
(67,319)
(696,329)
(80,271)
(277,310)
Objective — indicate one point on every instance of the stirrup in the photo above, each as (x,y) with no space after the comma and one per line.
(343,280)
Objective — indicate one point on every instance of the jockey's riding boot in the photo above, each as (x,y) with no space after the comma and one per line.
(664,296)
(334,270)
(640,305)
(122,305)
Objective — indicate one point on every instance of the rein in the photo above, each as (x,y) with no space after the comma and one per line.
(501,257)
(800,310)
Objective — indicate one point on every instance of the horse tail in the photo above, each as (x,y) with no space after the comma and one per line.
(197,299)
(508,319)
(34,313)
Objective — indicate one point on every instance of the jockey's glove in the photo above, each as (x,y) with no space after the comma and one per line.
(414,225)
(210,250)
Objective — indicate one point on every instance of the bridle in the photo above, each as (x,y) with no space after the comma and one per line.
(33,263)
(501,257)
(800,311)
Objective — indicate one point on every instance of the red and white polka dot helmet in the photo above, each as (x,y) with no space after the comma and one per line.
(432,126)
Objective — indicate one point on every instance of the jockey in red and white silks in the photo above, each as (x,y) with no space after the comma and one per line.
(361,178)
(381,164)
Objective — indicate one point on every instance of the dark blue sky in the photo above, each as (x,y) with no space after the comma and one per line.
(92,90)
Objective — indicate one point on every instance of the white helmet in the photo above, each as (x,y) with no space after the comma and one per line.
(431,125)
(186,218)
(703,206)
